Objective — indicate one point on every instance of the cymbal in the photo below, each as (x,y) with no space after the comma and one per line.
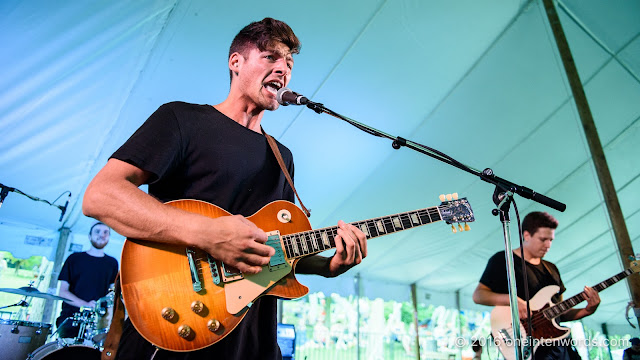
(31,291)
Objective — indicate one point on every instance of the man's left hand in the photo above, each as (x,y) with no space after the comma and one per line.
(351,248)
(592,298)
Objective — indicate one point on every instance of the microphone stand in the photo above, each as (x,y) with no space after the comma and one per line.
(502,197)
(4,191)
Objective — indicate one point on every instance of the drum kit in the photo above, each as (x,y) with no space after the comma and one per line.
(20,340)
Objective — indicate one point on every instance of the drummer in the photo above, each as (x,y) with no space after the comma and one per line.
(85,277)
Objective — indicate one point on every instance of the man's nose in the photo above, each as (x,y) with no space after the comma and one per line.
(282,68)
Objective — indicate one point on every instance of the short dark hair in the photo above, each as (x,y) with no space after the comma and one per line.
(96,224)
(264,34)
(538,219)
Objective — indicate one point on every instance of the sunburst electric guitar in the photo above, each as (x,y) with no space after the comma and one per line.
(543,315)
(181,299)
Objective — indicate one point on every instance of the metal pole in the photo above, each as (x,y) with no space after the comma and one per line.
(357,284)
(625,249)
(414,299)
(458,321)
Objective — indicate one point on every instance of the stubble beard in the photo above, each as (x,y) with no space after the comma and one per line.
(99,245)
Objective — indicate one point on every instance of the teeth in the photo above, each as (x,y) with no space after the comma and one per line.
(272,87)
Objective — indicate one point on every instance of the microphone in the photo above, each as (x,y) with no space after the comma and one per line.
(286,96)
(64,208)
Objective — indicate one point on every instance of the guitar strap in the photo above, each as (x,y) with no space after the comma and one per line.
(276,152)
(117,323)
(553,274)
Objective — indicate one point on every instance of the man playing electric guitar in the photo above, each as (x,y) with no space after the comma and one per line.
(538,232)
(215,154)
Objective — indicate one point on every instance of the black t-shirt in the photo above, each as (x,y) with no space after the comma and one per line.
(196,152)
(538,276)
(88,276)
(630,354)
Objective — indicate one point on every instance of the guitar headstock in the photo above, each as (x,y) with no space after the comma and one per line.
(635,266)
(454,210)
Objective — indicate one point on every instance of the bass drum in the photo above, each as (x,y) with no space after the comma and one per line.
(19,338)
(58,350)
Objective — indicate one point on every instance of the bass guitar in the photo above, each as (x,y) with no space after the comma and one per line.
(182,299)
(543,318)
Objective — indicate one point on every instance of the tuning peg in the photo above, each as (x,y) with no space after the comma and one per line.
(449,197)
(460,228)
(466,227)
(442,198)
(455,196)
(453,229)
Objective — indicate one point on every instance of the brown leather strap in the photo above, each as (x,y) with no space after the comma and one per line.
(276,152)
(117,323)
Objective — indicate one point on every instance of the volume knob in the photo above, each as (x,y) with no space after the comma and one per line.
(213,325)
(168,313)
(197,306)
(184,331)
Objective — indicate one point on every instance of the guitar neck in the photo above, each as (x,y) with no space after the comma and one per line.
(562,307)
(311,242)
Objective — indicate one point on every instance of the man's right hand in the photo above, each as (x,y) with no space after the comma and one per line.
(522,309)
(240,243)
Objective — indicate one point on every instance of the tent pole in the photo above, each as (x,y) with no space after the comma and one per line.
(625,249)
(49,305)
(414,300)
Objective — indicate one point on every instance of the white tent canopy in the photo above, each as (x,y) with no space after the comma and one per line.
(481,81)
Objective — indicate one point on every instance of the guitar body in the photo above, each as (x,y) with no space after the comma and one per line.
(156,277)
(181,299)
(543,328)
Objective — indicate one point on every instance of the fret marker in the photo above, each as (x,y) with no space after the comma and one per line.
(396,223)
(380,226)
(365,230)
(304,243)
(294,244)
(325,238)
(414,218)
(314,241)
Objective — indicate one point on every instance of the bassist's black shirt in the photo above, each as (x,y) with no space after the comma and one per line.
(196,152)
(538,276)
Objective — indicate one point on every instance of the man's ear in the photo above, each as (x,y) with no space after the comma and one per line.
(526,236)
(235,61)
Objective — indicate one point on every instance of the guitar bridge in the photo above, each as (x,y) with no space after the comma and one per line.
(193,268)
(213,266)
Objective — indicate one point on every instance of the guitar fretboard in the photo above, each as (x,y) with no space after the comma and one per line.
(561,307)
(315,241)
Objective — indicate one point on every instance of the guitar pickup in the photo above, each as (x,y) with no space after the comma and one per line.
(230,273)
(278,260)
(504,333)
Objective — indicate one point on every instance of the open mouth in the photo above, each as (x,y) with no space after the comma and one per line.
(273,87)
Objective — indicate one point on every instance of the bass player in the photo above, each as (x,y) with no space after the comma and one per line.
(538,230)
